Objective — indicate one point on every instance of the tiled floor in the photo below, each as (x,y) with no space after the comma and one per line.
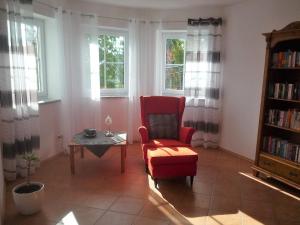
(224,192)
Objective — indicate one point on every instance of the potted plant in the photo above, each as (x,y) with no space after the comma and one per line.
(28,196)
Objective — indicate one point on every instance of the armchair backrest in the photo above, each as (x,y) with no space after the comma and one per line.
(161,105)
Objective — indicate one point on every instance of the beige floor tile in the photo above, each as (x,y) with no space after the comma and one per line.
(224,187)
(35,219)
(202,188)
(160,212)
(226,203)
(100,201)
(257,209)
(248,220)
(287,212)
(128,205)
(148,221)
(189,215)
(196,200)
(82,216)
(114,218)
(218,217)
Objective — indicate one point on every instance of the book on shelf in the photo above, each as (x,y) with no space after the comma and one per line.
(284,118)
(286,59)
(282,148)
(288,91)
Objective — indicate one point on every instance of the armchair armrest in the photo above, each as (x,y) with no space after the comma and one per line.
(144,134)
(186,134)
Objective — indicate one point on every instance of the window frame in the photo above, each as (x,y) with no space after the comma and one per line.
(116,92)
(172,34)
(41,41)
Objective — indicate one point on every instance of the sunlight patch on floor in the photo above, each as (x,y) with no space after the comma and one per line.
(69,219)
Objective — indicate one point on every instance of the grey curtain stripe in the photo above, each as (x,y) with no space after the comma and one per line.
(209,93)
(20,119)
(12,67)
(4,43)
(204,35)
(205,141)
(201,106)
(6,97)
(205,21)
(204,126)
(10,150)
(210,56)
(205,72)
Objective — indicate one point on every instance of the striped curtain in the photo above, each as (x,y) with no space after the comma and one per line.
(18,86)
(202,80)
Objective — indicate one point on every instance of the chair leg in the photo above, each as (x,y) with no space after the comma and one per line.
(192,180)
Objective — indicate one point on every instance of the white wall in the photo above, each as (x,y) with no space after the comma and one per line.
(119,106)
(49,130)
(244,65)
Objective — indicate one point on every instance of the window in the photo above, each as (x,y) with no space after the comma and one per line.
(34,32)
(113,58)
(173,62)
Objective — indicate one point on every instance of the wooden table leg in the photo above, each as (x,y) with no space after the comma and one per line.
(82,151)
(125,150)
(123,156)
(72,163)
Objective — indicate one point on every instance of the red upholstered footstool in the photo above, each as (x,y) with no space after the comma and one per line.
(164,162)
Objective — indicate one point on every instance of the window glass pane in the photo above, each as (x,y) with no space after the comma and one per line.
(174,77)
(33,57)
(174,51)
(101,47)
(111,56)
(114,48)
(114,75)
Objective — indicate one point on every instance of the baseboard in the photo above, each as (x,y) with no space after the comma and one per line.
(236,154)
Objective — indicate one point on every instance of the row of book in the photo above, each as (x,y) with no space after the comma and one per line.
(284,91)
(281,148)
(284,118)
(286,59)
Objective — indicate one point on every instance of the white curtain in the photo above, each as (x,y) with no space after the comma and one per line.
(80,106)
(18,87)
(203,80)
(143,76)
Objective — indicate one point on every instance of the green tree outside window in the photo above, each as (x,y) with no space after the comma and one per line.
(174,64)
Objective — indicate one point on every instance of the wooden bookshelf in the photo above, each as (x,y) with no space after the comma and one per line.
(285,100)
(283,128)
(278,148)
(285,68)
(281,160)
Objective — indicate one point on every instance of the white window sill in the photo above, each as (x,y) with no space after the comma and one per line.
(114,96)
(48,101)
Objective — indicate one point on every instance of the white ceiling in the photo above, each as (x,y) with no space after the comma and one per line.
(165,4)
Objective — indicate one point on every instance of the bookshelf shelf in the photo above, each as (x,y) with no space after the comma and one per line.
(278,147)
(285,68)
(284,100)
(283,128)
(282,160)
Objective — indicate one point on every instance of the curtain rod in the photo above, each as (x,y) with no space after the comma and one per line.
(114,18)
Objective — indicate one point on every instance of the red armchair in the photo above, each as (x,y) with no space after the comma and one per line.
(158,105)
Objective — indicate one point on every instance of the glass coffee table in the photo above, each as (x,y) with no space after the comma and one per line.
(98,145)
